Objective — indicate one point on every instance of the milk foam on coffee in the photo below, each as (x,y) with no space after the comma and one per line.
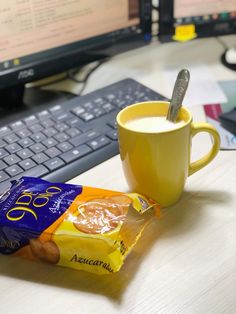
(152,124)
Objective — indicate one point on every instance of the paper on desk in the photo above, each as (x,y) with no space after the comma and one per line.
(227,139)
(202,89)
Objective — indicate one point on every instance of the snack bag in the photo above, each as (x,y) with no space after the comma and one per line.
(72,225)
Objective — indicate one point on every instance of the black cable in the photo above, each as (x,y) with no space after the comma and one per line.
(71,75)
(84,81)
(222,43)
(155,7)
(155,20)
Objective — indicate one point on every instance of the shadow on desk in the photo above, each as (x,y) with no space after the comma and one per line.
(184,217)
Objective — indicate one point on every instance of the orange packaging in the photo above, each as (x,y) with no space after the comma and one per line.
(75,226)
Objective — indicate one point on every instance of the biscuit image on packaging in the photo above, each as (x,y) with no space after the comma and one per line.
(46,252)
(102,215)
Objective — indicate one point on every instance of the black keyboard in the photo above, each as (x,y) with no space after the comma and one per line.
(62,141)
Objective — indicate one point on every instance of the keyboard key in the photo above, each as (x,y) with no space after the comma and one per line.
(36,127)
(61,127)
(61,137)
(63,116)
(74,121)
(27,164)
(83,138)
(38,137)
(54,163)
(113,135)
(88,106)
(50,132)
(129,99)
(49,142)
(145,98)
(99,102)
(108,107)
(75,153)
(3,165)
(64,147)
(11,138)
(110,97)
(25,153)
(31,120)
(3,177)
(139,94)
(98,112)
(2,143)
(14,170)
(120,94)
(73,132)
(86,116)
(12,148)
(112,124)
(12,159)
(78,110)
(52,152)
(56,109)
(37,171)
(77,123)
(4,130)
(26,142)
(99,142)
(3,153)
(40,158)
(37,148)
(47,123)
(24,133)
(17,125)
(44,115)
(121,103)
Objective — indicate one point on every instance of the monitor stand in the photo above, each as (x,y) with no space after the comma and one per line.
(11,97)
(35,96)
(18,98)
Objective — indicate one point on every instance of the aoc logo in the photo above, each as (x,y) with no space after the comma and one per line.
(25,74)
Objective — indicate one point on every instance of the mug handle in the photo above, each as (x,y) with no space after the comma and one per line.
(202,162)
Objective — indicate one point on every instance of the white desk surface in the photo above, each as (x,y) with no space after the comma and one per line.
(184,263)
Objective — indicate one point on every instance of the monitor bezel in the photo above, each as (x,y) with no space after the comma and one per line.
(107,46)
(208,29)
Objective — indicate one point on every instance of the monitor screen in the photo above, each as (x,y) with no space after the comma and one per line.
(187,19)
(39,38)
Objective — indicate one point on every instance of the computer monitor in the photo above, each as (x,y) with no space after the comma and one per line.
(183,20)
(41,38)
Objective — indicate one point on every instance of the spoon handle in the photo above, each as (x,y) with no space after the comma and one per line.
(179,91)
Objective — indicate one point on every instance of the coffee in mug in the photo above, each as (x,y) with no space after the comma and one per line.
(152,124)
(156,154)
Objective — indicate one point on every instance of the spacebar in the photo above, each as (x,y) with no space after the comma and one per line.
(37,171)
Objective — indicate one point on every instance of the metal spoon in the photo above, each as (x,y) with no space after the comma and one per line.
(178,94)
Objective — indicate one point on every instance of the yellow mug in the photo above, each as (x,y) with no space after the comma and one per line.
(158,164)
